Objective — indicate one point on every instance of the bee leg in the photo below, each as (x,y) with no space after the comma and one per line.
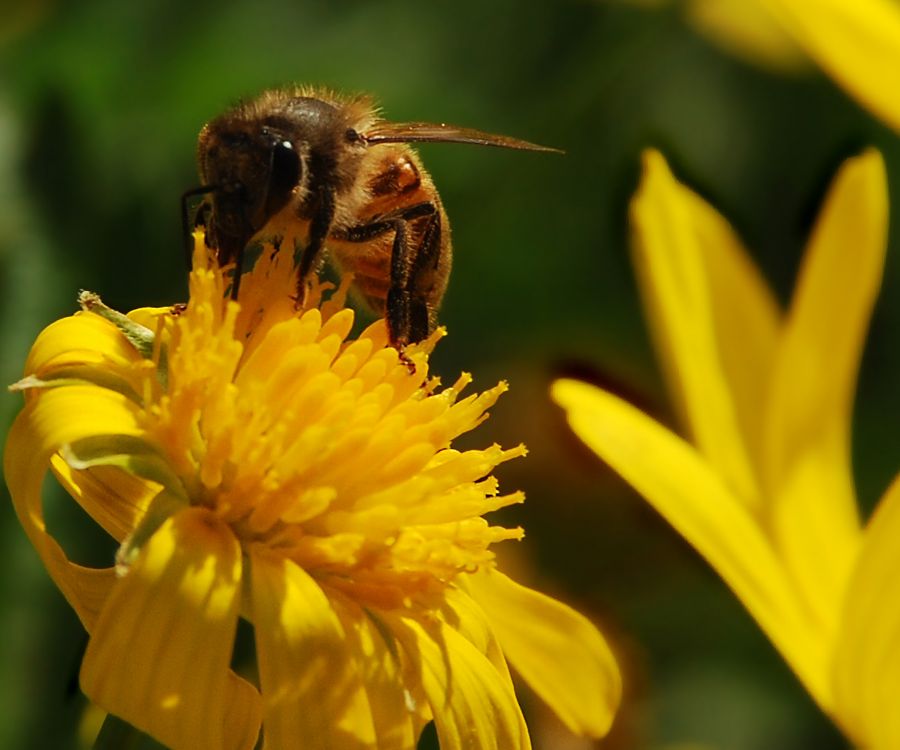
(409,316)
(422,313)
(318,232)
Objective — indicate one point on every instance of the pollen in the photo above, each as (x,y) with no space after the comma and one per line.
(332,450)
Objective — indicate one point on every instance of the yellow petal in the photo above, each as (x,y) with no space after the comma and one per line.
(397,724)
(746,29)
(857,42)
(159,655)
(87,347)
(474,706)
(746,318)
(682,486)
(85,426)
(557,651)
(867,657)
(25,465)
(82,338)
(808,472)
(57,418)
(116,498)
(671,228)
(470,619)
(313,697)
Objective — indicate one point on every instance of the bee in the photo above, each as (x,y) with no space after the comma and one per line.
(328,173)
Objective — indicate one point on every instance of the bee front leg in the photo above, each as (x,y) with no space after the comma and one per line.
(318,233)
(409,314)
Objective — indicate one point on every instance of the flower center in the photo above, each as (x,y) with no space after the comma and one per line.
(326,449)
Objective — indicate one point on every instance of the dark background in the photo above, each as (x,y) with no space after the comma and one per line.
(100,104)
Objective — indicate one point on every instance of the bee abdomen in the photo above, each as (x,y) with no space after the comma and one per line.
(371,274)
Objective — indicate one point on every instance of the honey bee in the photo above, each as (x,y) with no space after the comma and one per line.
(329,174)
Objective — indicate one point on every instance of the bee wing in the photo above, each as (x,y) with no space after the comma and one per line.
(429,132)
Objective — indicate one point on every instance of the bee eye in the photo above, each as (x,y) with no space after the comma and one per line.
(284,176)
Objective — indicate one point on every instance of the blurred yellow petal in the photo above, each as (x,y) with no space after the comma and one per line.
(857,42)
(558,652)
(808,475)
(313,695)
(746,29)
(671,228)
(165,669)
(473,704)
(746,318)
(867,657)
(677,481)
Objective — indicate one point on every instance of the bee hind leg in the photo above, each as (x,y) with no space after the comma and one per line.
(409,313)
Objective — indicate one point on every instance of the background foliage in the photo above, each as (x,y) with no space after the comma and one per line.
(100,103)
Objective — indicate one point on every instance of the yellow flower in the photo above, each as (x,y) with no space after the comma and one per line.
(856,42)
(253,461)
(744,28)
(763,486)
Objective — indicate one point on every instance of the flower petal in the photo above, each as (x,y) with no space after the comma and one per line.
(473,705)
(80,428)
(59,417)
(82,338)
(808,472)
(747,30)
(312,694)
(376,654)
(558,652)
(675,235)
(88,347)
(159,655)
(867,657)
(679,483)
(746,317)
(465,615)
(857,43)
(117,499)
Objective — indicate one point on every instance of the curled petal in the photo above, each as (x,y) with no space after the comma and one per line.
(62,416)
(87,347)
(116,498)
(160,653)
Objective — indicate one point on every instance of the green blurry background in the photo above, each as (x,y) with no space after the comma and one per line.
(100,104)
